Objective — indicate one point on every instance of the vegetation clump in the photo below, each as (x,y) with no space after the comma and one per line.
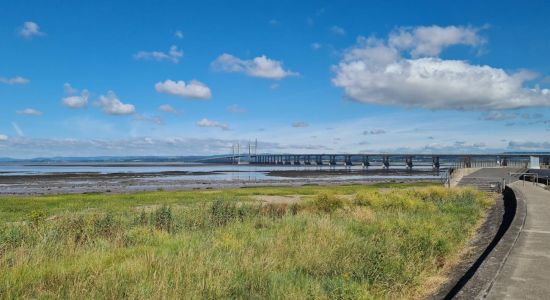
(344,242)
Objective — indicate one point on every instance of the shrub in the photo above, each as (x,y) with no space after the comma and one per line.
(222,212)
(36,217)
(274,210)
(327,202)
(141,219)
(105,226)
(163,218)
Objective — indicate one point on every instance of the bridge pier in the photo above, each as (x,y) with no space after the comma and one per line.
(386,161)
(332,160)
(365,161)
(347,161)
(307,160)
(319,160)
(409,162)
(435,163)
(296,159)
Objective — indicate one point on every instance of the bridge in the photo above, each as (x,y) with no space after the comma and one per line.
(385,160)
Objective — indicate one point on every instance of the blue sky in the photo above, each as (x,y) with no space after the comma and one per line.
(176,78)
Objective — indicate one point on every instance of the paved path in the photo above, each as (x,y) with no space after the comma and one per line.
(526,272)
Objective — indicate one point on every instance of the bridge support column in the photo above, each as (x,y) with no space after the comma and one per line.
(365,162)
(332,160)
(296,159)
(435,163)
(347,161)
(319,160)
(409,162)
(386,161)
(307,160)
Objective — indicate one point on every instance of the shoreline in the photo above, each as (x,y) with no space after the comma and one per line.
(82,183)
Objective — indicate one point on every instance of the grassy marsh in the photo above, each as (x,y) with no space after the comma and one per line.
(339,242)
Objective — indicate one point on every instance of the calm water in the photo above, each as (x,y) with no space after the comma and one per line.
(223,172)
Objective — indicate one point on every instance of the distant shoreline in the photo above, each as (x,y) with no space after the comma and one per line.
(122,182)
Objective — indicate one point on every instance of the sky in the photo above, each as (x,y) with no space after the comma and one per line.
(95,78)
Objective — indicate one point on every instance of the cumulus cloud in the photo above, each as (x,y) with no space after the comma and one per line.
(72,100)
(3,137)
(14,80)
(113,106)
(374,131)
(375,71)
(431,40)
(178,34)
(300,124)
(337,30)
(194,89)
(30,30)
(167,108)
(29,112)
(209,123)
(235,108)
(315,46)
(260,66)
(173,55)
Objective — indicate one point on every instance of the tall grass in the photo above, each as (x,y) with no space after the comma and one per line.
(341,242)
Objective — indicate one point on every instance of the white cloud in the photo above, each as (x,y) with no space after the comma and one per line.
(300,124)
(315,46)
(209,123)
(431,40)
(194,89)
(30,30)
(498,116)
(72,100)
(167,108)
(69,90)
(29,112)
(260,66)
(173,55)
(337,30)
(375,72)
(528,145)
(17,129)
(147,118)
(235,108)
(374,131)
(3,137)
(14,80)
(274,22)
(113,106)
(178,34)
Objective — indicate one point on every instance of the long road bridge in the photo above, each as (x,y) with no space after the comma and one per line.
(387,160)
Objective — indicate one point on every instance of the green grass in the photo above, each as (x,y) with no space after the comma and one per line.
(341,242)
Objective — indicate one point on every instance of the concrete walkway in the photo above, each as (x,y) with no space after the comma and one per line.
(526,272)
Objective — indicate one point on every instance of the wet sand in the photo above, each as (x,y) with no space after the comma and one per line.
(91,182)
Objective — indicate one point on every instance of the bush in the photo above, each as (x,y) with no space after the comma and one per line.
(222,212)
(163,218)
(105,226)
(327,202)
(36,217)
(141,219)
